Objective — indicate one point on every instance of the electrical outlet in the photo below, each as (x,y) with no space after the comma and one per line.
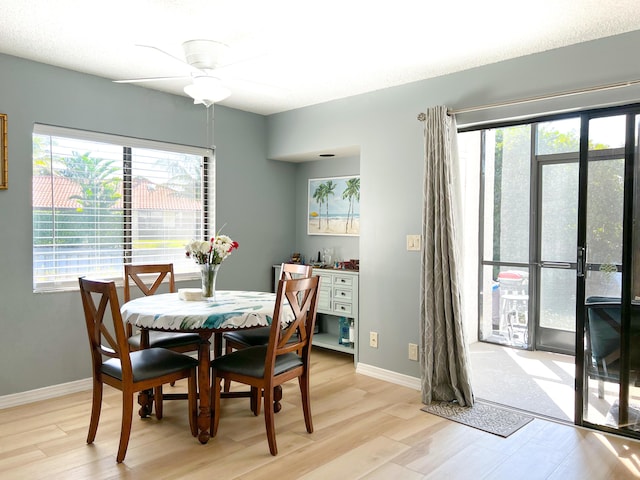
(413,351)
(373,339)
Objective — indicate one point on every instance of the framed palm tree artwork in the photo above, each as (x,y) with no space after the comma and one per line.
(334,206)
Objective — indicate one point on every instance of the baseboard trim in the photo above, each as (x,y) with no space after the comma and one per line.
(54,391)
(389,376)
(45,393)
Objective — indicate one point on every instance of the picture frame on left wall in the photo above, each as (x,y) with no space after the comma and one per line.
(4,153)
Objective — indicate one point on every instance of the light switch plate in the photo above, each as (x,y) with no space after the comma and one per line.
(413,351)
(413,242)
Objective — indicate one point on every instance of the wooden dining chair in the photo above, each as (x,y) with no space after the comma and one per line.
(129,371)
(154,276)
(286,355)
(239,339)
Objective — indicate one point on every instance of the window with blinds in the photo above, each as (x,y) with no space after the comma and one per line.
(102,201)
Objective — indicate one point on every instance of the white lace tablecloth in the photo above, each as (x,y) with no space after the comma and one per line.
(231,309)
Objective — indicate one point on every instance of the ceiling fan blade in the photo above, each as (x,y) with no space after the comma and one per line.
(151,79)
(255,86)
(222,66)
(181,60)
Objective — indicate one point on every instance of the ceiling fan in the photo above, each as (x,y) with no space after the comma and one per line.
(204,57)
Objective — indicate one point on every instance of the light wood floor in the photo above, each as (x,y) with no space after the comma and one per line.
(364,429)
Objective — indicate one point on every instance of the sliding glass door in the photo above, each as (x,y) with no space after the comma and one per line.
(560,252)
(609,360)
(530,203)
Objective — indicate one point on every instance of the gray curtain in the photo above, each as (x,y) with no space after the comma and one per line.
(444,356)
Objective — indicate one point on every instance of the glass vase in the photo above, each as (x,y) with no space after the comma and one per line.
(209,273)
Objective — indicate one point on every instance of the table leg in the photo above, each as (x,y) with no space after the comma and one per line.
(145,397)
(204,388)
(217,345)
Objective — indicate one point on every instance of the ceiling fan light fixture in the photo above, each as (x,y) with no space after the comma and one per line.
(204,54)
(207,90)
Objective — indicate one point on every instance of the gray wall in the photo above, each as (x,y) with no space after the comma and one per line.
(383,124)
(43,339)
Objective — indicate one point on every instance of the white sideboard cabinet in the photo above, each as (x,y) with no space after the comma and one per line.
(337,309)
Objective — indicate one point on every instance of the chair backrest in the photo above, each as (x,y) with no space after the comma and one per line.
(294,270)
(100,300)
(603,325)
(301,296)
(133,272)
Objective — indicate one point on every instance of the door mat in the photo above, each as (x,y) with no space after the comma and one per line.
(482,416)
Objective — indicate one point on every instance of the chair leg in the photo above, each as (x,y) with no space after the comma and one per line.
(125,428)
(96,406)
(215,398)
(600,388)
(269,420)
(256,398)
(193,404)
(303,380)
(157,398)
(227,382)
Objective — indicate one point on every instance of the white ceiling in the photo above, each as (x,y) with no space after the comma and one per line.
(294,53)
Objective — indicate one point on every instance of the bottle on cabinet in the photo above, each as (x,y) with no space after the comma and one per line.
(352,333)
(343,338)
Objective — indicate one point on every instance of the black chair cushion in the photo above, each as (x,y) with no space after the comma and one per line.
(165,339)
(150,363)
(250,361)
(250,337)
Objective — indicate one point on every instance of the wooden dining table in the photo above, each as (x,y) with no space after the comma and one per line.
(228,310)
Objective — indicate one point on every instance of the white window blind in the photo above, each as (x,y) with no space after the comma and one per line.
(102,201)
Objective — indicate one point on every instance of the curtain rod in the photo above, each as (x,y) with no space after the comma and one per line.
(567,93)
